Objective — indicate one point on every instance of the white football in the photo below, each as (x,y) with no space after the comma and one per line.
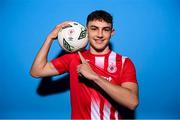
(73,37)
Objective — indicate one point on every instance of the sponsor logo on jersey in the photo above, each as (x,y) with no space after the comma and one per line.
(107,78)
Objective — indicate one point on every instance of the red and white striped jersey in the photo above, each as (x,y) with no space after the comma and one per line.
(89,101)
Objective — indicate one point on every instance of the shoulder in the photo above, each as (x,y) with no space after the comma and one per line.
(119,57)
(122,58)
(67,57)
(75,55)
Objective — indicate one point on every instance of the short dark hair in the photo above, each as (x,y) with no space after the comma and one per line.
(100,15)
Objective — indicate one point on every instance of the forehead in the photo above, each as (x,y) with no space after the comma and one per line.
(99,23)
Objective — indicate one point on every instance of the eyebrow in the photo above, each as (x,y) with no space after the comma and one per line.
(98,27)
(93,26)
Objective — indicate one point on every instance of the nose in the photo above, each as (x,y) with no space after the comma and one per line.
(100,34)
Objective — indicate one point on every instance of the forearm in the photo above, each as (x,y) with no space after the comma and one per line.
(121,95)
(41,58)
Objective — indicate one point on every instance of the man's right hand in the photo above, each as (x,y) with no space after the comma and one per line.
(54,33)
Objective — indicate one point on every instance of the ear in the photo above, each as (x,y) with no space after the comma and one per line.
(112,32)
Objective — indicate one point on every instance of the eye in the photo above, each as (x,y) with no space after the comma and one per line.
(107,29)
(93,28)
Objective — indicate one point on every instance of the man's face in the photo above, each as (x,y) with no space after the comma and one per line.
(99,33)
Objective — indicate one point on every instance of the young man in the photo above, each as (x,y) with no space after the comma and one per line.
(100,79)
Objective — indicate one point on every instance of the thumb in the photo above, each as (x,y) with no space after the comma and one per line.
(82,58)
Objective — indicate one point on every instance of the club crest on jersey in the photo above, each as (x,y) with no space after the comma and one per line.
(112,68)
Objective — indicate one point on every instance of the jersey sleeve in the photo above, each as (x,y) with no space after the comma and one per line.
(62,63)
(128,72)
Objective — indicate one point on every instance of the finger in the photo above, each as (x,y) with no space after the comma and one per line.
(81,57)
(78,69)
(61,25)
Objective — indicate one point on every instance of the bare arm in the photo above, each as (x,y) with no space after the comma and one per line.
(126,94)
(41,67)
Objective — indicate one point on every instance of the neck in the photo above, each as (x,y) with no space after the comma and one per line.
(99,52)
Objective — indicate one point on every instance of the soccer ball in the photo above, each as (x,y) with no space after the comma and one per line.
(73,37)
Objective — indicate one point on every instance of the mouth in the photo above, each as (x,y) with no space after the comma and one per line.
(99,41)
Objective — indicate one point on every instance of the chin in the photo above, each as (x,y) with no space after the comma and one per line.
(99,49)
